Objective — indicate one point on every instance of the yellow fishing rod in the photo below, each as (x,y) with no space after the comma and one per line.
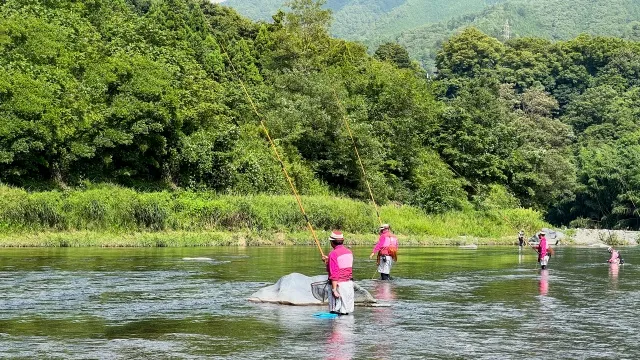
(364,173)
(275,150)
(355,147)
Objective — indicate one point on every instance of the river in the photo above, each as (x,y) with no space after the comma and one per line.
(445,303)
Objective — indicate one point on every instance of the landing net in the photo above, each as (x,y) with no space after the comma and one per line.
(320,290)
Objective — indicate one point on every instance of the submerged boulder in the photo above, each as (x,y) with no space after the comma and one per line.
(295,289)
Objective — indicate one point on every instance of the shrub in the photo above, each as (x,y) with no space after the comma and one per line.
(113,208)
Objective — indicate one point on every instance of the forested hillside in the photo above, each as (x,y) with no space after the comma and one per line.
(372,21)
(149,94)
(422,26)
(577,106)
(549,19)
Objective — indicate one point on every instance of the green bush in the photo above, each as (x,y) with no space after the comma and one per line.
(611,239)
(32,211)
(114,208)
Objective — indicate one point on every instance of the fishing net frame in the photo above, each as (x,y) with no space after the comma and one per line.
(320,290)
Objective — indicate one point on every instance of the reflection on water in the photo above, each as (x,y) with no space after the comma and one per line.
(340,342)
(520,255)
(544,282)
(613,275)
(191,303)
(383,318)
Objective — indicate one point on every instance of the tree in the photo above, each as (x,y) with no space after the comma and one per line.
(395,54)
(470,53)
(474,135)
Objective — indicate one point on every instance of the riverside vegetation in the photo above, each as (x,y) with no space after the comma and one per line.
(146,95)
(109,215)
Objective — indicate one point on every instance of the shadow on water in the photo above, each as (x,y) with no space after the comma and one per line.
(191,303)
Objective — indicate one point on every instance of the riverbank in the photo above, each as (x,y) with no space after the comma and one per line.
(204,238)
(604,237)
(110,215)
(218,238)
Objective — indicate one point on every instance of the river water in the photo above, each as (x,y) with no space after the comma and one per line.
(190,304)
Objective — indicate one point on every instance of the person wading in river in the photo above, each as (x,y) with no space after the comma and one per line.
(521,238)
(387,250)
(340,268)
(544,252)
(615,256)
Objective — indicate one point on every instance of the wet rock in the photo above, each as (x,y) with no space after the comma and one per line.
(295,289)
(554,237)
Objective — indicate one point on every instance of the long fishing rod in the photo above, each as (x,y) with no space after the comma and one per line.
(355,147)
(362,166)
(346,122)
(275,150)
(364,172)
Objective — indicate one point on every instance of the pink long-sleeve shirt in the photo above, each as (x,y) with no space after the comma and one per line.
(542,247)
(614,257)
(386,240)
(340,264)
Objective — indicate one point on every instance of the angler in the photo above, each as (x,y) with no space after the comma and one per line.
(387,250)
(543,249)
(615,256)
(340,268)
(521,238)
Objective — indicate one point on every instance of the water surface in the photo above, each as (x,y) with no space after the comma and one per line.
(190,304)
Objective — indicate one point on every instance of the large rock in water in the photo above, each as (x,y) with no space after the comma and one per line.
(295,289)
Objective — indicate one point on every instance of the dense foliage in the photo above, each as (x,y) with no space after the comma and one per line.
(421,26)
(370,21)
(549,19)
(557,122)
(117,210)
(147,93)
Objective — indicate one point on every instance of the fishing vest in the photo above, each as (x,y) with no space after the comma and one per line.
(390,247)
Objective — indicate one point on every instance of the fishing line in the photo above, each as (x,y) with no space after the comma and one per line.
(362,167)
(275,149)
(355,147)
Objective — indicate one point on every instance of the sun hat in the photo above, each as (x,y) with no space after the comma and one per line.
(336,236)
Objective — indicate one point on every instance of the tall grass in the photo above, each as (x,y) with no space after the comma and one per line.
(110,208)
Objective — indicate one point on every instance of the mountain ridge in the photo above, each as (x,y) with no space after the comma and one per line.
(421,26)
(549,19)
(364,20)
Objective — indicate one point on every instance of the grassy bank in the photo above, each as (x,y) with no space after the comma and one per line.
(211,238)
(108,215)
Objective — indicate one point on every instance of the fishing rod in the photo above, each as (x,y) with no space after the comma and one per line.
(353,140)
(362,166)
(355,147)
(275,150)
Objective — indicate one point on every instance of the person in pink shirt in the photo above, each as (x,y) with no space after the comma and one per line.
(543,250)
(615,256)
(340,268)
(387,250)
